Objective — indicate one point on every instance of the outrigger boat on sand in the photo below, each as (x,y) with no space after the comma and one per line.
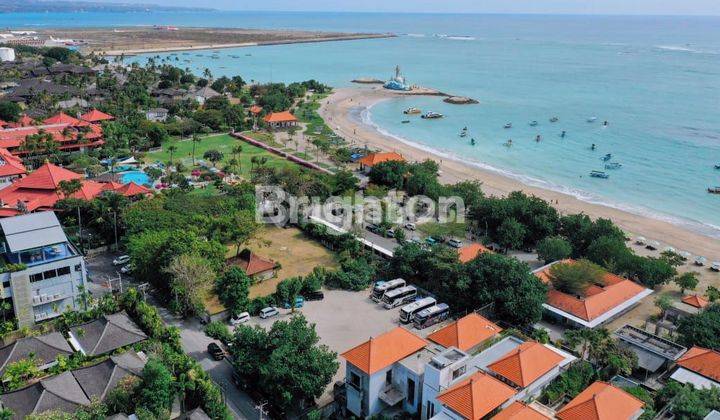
(533,123)
(405,121)
(592,119)
(599,174)
(411,111)
(714,190)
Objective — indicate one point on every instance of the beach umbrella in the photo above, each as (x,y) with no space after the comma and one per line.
(640,240)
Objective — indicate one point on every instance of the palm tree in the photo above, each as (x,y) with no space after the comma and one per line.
(253,161)
(207,74)
(195,139)
(172,149)
(236,151)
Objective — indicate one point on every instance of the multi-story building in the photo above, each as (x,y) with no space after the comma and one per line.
(43,273)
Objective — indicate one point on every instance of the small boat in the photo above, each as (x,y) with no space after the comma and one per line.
(563,134)
(613,165)
(533,123)
(717,166)
(472,142)
(606,157)
(508,143)
(538,138)
(593,147)
(432,115)
(463,134)
(248,55)
(554,119)
(605,123)
(508,125)
(599,174)
(411,111)
(592,119)
(714,190)
(405,121)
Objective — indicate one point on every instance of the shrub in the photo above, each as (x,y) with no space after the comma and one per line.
(218,331)
(575,278)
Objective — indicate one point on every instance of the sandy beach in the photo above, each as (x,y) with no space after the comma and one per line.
(336,111)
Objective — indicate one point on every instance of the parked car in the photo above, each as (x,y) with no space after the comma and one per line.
(430,240)
(410,226)
(215,351)
(372,227)
(316,295)
(299,303)
(390,233)
(127,268)
(455,243)
(715,266)
(121,260)
(240,319)
(268,312)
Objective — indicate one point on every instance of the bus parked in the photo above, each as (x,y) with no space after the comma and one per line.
(431,316)
(400,296)
(407,311)
(380,289)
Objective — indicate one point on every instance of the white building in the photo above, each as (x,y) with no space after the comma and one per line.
(7,54)
(44,271)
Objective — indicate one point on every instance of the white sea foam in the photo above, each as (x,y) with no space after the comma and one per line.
(461,38)
(416,35)
(706,229)
(685,49)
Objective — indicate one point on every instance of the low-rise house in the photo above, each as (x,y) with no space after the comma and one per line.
(521,411)
(95,116)
(70,134)
(373,373)
(44,349)
(73,103)
(687,306)
(467,333)
(203,94)
(699,367)
(195,414)
(280,120)
(156,114)
(654,353)
(368,161)
(602,401)
(473,398)
(105,334)
(50,272)
(471,251)
(11,168)
(255,266)
(72,390)
(599,305)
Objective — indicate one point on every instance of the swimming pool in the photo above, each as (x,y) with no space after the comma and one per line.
(138,177)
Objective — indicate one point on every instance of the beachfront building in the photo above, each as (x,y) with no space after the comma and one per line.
(699,367)
(70,134)
(600,304)
(280,120)
(654,353)
(687,306)
(47,272)
(11,168)
(402,371)
(368,161)
(602,401)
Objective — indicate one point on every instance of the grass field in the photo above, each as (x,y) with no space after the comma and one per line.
(223,143)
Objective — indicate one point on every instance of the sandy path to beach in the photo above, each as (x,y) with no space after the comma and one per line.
(336,110)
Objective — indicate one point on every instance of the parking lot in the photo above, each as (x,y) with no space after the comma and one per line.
(343,320)
(102,273)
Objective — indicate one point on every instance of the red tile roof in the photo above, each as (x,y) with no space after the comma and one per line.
(96,116)
(520,411)
(598,300)
(476,396)
(251,263)
(132,189)
(47,177)
(63,118)
(526,363)
(702,361)
(696,301)
(89,190)
(465,333)
(65,135)
(10,165)
(255,109)
(601,401)
(471,251)
(384,350)
(279,117)
(374,158)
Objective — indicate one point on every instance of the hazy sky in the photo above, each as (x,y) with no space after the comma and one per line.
(650,7)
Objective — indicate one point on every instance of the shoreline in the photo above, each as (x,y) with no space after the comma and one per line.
(137,51)
(338,110)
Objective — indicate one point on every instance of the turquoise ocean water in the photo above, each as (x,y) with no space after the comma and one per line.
(655,79)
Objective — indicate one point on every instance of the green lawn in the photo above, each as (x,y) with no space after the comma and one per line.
(225,144)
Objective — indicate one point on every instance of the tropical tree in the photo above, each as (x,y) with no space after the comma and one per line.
(172,149)
(190,275)
(195,140)
(663,302)
(236,151)
(213,156)
(688,280)
(554,248)
(156,392)
(575,278)
(233,288)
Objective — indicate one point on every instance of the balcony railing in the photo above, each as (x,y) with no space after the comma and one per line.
(43,299)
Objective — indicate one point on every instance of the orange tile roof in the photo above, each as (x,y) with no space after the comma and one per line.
(476,396)
(284,116)
(471,251)
(251,263)
(132,189)
(10,165)
(255,109)
(96,116)
(25,121)
(465,333)
(47,177)
(374,158)
(520,411)
(703,361)
(598,300)
(63,118)
(601,401)
(89,190)
(696,301)
(384,350)
(526,363)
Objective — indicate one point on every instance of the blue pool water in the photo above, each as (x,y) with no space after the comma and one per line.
(138,177)
(655,79)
